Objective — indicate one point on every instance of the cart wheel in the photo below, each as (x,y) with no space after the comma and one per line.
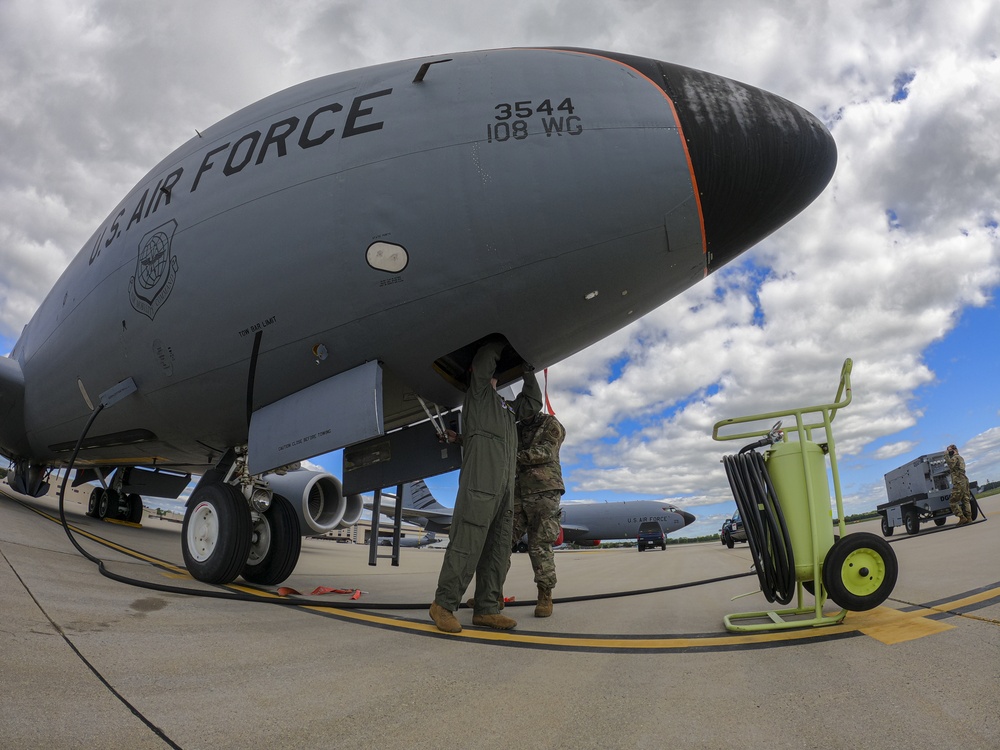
(940,521)
(886,528)
(911,522)
(860,571)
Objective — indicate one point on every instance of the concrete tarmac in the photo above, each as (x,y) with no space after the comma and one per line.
(89,662)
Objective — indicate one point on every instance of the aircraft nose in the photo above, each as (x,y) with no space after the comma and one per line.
(688,518)
(758,159)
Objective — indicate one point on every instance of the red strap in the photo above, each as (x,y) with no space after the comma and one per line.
(548,404)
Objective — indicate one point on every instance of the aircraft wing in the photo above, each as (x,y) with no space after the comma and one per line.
(432,519)
(442,515)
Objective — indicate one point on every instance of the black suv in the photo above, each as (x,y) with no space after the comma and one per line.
(733,531)
(651,535)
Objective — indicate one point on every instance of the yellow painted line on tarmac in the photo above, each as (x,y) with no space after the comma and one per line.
(106,543)
(123,523)
(891,626)
(578,642)
(968,601)
(884,624)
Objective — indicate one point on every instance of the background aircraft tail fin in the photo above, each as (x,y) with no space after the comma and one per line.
(417,495)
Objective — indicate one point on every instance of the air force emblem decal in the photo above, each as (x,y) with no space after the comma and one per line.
(155,270)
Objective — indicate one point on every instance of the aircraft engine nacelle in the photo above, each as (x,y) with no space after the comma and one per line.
(318,499)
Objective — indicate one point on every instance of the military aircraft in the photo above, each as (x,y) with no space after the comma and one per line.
(318,269)
(410,541)
(584,523)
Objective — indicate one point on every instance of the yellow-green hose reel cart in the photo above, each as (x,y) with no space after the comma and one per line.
(783,496)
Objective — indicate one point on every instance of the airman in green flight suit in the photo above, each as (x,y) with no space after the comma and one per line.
(481,525)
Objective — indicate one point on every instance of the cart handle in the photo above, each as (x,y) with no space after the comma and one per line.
(828,411)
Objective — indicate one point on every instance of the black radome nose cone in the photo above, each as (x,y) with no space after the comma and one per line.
(758,159)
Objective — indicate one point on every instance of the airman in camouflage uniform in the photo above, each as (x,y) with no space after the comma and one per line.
(537,490)
(961,497)
(479,537)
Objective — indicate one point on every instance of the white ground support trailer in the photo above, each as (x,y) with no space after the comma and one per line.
(918,491)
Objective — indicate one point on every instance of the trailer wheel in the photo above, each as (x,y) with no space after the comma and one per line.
(886,528)
(911,522)
(940,521)
(860,572)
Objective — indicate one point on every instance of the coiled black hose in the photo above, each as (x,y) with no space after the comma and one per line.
(764,522)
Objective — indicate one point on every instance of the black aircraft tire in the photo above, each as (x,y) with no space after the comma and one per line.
(886,528)
(107,504)
(93,503)
(860,571)
(215,537)
(134,508)
(911,521)
(275,545)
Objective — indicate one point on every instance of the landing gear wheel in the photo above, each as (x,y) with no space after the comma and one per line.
(92,504)
(860,572)
(886,528)
(911,522)
(215,538)
(275,544)
(107,504)
(134,508)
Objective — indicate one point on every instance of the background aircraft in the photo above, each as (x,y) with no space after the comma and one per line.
(582,523)
(313,270)
(410,541)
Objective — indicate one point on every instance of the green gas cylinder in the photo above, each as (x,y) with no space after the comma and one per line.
(793,480)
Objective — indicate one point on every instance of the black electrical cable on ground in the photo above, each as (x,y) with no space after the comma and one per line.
(764,522)
(243,597)
(230,595)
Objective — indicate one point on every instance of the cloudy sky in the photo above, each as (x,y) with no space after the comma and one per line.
(896,265)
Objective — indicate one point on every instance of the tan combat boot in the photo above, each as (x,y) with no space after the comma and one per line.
(543,608)
(497,621)
(446,621)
